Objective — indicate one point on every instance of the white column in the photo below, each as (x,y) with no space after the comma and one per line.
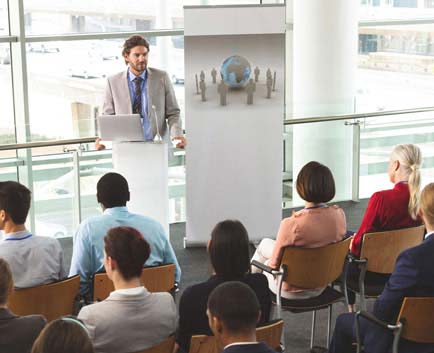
(324,68)
(163,21)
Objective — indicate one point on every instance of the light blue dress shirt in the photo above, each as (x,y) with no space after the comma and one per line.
(147,131)
(88,250)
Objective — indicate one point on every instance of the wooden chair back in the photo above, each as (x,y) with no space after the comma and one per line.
(314,267)
(155,279)
(51,300)
(269,334)
(163,347)
(374,246)
(203,344)
(418,315)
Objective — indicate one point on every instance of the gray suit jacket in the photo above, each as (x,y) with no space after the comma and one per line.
(160,93)
(130,322)
(17,333)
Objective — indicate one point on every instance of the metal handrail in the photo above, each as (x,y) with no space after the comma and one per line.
(49,143)
(293,121)
(319,119)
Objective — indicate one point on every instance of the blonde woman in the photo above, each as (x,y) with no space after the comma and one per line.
(391,209)
(395,208)
(412,277)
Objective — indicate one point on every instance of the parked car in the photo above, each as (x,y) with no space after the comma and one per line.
(53,230)
(86,70)
(177,75)
(42,48)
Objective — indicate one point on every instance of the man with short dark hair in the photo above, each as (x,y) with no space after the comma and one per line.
(233,311)
(131,319)
(17,333)
(139,89)
(88,251)
(34,260)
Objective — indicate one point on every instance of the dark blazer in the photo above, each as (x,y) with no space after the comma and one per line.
(249,348)
(192,306)
(413,276)
(17,333)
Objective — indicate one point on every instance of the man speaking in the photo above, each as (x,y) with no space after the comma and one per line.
(143,90)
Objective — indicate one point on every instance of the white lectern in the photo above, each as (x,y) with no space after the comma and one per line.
(144,165)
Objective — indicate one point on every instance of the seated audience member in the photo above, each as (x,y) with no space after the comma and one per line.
(316,225)
(413,276)
(131,319)
(17,333)
(34,260)
(391,209)
(65,335)
(87,256)
(233,311)
(395,208)
(229,253)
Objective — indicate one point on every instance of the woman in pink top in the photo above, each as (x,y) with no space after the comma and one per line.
(314,226)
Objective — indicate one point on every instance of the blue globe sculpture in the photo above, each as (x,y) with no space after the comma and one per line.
(236,71)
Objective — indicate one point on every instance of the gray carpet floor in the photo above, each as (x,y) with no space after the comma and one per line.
(196,268)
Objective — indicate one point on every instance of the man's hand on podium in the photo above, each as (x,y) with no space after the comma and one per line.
(181,141)
(98,145)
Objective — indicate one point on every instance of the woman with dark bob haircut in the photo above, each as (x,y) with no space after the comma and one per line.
(316,225)
(228,250)
(64,335)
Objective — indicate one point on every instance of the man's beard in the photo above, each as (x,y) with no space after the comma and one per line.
(139,67)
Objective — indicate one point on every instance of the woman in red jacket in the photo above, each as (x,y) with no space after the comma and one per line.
(392,209)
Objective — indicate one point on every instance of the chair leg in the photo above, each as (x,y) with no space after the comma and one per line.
(329,323)
(344,286)
(362,276)
(282,339)
(396,337)
(312,332)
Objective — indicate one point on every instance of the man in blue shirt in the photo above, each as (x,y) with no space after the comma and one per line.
(88,250)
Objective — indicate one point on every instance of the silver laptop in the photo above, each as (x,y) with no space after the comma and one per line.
(122,127)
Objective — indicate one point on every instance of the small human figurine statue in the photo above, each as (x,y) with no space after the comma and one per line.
(250,89)
(202,90)
(268,73)
(202,75)
(269,86)
(274,81)
(222,89)
(197,85)
(214,75)
(257,72)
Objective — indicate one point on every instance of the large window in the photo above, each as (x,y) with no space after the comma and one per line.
(63,16)
(95,16)
(4,24)
(7,127)
(67,81)
(396,67)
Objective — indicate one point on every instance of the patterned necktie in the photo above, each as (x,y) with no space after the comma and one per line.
(137,104)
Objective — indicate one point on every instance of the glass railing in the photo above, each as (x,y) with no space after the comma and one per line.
(373,136)
(64,178)
(64,173)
